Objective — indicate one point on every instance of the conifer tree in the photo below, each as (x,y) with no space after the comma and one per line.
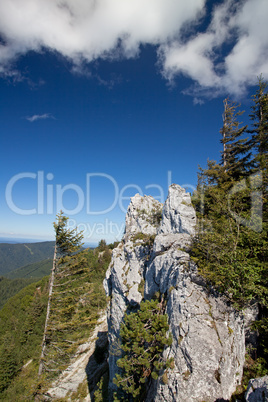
(67,243)
(235,154)
(144,337)
(259,130)
(259,139)
(231,248)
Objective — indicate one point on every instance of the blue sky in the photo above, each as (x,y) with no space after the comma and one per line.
(101,100)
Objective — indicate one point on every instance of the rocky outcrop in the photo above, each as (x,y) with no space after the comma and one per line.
(178,213)
(125,275)
(257,390)
(208,334)
(142,216)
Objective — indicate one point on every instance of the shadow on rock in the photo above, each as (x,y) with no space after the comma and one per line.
(97,364)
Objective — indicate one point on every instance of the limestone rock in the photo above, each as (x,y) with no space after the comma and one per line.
(142,215)
(125,275)
(178,212)
(208,334)
(122,283)
(257,390)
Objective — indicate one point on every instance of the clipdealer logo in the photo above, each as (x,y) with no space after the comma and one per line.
(50,197)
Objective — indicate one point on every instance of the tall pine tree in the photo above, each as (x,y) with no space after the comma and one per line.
(235,153)
(231,247)
(259,139)
(259,129)
(67,243)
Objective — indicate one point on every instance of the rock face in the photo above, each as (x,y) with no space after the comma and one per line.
(178,213)
(208,334)
(125,274)
(257,390)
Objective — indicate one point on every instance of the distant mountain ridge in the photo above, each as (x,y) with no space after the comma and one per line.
(14,256)
(15,240)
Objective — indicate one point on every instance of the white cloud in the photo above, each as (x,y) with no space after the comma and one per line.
(84,30)
(39,117)
(249,57)
(90,28)
(241,25)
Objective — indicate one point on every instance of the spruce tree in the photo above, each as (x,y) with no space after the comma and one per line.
(235,153)
(67,243)
(231,248)
(259,130)
(259,140)
(144,337)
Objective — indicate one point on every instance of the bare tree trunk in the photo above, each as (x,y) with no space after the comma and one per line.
(51,283)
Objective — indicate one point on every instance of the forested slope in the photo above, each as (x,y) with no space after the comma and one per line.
(78,297)
(35,271)
(14,256)
(21,330)
(9,287)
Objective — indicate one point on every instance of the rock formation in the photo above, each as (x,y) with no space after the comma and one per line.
(208,333)
(257,390)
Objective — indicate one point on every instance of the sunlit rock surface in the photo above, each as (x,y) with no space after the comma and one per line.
(208,333)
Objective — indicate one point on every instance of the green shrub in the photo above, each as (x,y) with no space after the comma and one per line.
(144,337)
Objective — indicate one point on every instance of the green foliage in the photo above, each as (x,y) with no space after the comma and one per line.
(259,128)
(9,288)
(141,287)
(101,393)
(34,271)
(68,241)
(156,216)
(102,245)
(153,217)
(259,138)
(98,392)
(232,256)
(146,239)
(77,298)
(21,330)
(13,256)
(261,326)
(113,245)
(231,248)
(144,337)
(236,152)
(252,369)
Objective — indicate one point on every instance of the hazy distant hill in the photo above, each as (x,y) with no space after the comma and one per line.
(36,271)
(74,312)
(13,256)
